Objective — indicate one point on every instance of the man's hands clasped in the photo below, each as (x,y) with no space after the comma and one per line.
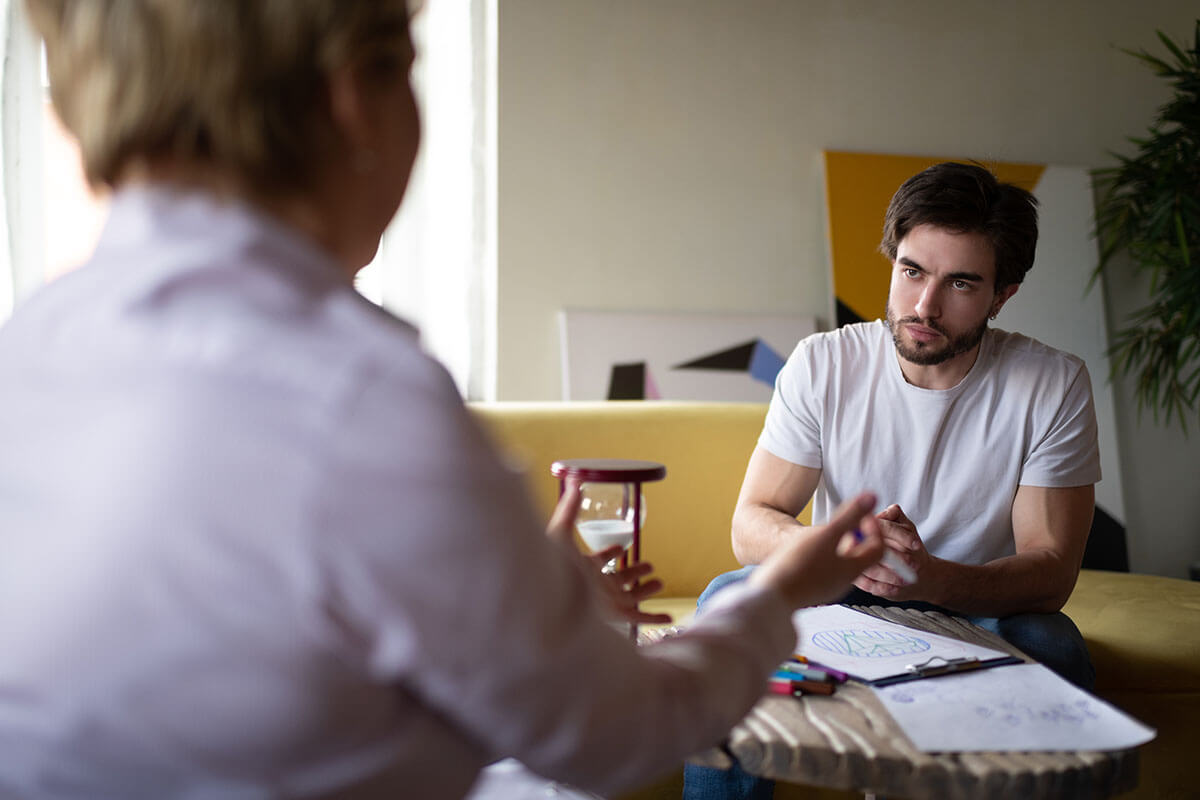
(900,536)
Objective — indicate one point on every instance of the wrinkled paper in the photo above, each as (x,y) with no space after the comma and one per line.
(1019,707)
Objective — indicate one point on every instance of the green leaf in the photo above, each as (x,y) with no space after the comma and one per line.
(1148,208)
(1174,48)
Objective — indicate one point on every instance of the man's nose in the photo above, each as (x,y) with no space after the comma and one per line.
(929,304)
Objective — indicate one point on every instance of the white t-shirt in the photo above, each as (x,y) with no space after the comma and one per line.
(952,459)
(254,546)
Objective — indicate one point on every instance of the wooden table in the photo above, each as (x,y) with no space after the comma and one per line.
(849,741)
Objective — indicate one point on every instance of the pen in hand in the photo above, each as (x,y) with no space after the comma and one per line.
(892,561)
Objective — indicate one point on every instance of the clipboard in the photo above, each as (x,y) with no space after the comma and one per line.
(937,666)
(870,649)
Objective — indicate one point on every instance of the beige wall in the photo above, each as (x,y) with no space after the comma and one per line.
(665,154)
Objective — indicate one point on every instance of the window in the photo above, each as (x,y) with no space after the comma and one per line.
(74,214)
(436,262)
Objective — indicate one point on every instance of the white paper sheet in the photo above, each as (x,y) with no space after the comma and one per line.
(869,648)
(1022,707)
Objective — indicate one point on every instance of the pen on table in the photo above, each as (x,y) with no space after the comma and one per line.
(892,561)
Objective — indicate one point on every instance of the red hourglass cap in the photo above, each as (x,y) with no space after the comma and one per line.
(608,470)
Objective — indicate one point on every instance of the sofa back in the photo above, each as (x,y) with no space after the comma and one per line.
(705,447)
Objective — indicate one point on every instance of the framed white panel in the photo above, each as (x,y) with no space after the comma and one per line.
(594,342)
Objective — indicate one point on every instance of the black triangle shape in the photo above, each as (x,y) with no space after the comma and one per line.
(735,359)
(846,315)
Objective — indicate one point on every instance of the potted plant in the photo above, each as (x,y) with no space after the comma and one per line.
(1149,211)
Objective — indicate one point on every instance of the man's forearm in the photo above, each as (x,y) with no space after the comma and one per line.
(773,492)
(759,530)
(1037,581)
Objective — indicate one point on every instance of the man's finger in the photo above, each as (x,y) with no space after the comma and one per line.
(880,573)
(892,513)
(899,538)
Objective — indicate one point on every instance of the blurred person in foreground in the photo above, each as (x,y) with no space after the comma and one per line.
(254,544)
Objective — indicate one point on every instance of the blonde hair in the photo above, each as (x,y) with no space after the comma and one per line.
(236,84)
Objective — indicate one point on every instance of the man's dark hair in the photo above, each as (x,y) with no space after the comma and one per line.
(966,198)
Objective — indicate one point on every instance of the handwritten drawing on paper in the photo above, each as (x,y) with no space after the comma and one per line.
(1023,707)
(870,648)
(869,644)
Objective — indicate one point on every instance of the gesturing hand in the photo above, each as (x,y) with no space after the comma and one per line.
(562,521)
(818,565)
(623,587)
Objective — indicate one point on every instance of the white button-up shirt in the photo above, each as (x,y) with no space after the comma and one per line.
(252,545)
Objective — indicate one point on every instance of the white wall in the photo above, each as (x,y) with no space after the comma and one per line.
(665,154)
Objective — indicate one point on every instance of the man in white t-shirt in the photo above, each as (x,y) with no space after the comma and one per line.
(981,444)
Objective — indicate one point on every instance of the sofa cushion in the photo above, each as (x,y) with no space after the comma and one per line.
(1143,631)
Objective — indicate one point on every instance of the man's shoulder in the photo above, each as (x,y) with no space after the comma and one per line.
(1018,351)
(1024,364)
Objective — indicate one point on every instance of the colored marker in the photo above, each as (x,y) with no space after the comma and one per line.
(807,672)
(779,687)
(813,687)
(836,674)
(892,561)
(784,685)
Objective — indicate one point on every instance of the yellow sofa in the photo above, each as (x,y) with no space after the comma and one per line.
(1143,631)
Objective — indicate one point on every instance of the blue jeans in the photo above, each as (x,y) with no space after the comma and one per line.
(1051,639)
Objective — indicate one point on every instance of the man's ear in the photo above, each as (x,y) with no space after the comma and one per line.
(1002,298)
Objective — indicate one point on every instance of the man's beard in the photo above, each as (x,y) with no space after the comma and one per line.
(928,355)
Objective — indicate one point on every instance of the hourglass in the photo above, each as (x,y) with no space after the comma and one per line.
(612,509)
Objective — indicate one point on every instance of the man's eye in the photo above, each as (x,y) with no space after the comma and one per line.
(911,272)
